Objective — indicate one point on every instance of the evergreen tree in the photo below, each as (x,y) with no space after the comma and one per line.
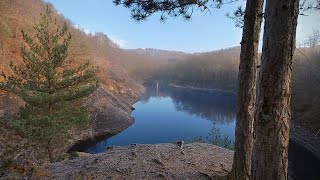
(52,88)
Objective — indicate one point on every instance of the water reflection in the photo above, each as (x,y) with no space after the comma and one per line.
(167,114)
(216,106)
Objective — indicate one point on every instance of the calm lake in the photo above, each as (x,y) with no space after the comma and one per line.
(168,114)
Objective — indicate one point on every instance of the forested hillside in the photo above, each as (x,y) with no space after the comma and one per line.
(306,88)
(118,66)
(122,72)
(215,70)
(121,68)
(99,49)
(109,105)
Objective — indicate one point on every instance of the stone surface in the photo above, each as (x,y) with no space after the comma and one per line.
(200,161)
(40,172)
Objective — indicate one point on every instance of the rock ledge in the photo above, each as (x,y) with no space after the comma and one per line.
(158,161)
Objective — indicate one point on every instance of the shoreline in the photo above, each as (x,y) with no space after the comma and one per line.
(297,134)
(200,89)
(142,160)
(106,122)
(146,161)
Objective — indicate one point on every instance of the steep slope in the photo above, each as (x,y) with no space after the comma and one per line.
(122,72)
(110,105)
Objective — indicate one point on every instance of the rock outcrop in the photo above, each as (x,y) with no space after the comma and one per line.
(157,161)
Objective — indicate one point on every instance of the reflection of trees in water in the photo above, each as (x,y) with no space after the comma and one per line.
(214,106)
(151,91)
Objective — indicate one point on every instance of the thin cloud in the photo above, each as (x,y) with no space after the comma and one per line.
(122,43)
(85,30)
(119,41)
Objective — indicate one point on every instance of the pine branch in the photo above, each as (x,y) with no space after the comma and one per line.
(141,10)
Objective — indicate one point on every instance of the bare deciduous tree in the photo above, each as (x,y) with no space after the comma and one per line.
(314,38)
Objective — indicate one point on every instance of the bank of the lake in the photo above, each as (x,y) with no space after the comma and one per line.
(156,161)
(201,89)
(148,161)
(110,107)
(298,134)
(154,112)
(169,114)
(110,115)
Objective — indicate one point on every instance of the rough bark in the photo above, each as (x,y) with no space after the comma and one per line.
(270,154)
(241,168)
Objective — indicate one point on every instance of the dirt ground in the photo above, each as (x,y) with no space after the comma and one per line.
(158,161)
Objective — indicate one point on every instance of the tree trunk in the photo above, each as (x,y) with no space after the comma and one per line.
(50,108)
(50,152)
(241,168)
(270,154)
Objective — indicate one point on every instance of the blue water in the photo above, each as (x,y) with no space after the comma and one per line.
(172,115)
(167,115)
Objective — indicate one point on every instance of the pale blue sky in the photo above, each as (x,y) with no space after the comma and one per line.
(205,32)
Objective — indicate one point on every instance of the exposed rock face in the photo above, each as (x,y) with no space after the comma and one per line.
(110,113)
(158,161)
(39,172)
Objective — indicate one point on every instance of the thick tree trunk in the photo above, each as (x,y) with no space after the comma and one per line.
(270,155)
(241,168)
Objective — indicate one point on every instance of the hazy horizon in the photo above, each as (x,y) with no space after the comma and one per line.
(203,33)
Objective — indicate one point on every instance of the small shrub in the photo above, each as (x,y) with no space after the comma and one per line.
(214,137)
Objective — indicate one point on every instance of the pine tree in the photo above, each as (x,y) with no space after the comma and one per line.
(52,88)
(273,113)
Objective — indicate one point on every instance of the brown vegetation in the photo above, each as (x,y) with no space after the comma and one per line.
(121,69)
(306,88)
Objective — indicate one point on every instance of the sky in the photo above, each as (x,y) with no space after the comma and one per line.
(204,32)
